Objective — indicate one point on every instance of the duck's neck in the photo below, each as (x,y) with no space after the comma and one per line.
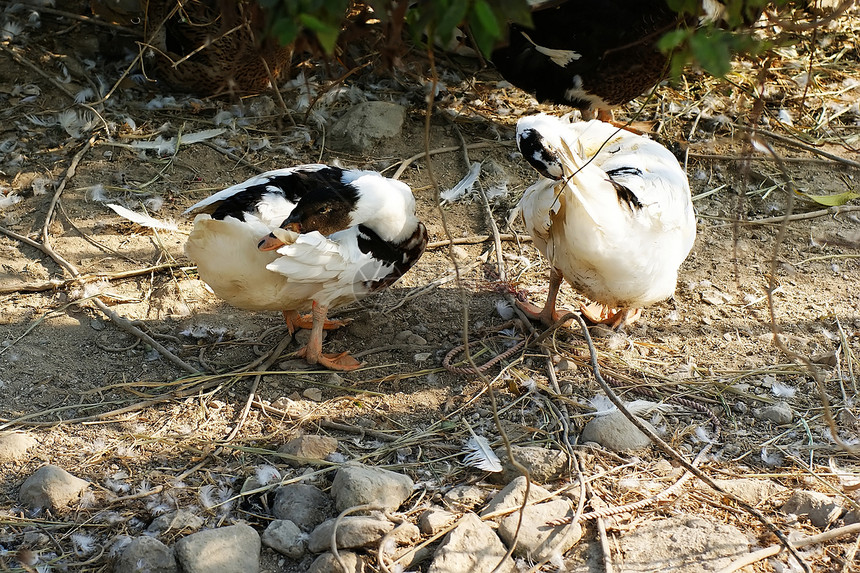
(388,208)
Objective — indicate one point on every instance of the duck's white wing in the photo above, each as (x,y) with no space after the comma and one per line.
(334,268)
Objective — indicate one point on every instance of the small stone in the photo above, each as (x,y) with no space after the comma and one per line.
(471,546)
(303,504)
(51,486)
(536,539)
(326,563)
(434,520)
(97,324)
(466,497)
(309,450)
(715,297)
(402,336)
(682,544)
(422,356)
(614,431)
(544,465)
(820,509)
(14,446)
(148,554)
(779,413)
(313,394)
(356,484)
(231,549)
(565,365)
(752,491)
(511,496)
(461,254)
(356,531)
(366,124)
(285,537)
(180,521)
(416,340)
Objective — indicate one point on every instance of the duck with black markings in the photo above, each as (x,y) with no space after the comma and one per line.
(311,237)
(611,212)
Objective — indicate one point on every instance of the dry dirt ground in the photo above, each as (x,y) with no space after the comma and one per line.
(108,407)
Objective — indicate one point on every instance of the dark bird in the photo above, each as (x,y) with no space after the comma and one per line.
(592,55)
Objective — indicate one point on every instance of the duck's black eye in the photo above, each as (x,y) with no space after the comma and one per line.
(325,210)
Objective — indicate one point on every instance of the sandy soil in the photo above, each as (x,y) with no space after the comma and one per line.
(142,417)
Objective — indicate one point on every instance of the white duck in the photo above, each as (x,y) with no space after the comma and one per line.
(612,213)
(306,237)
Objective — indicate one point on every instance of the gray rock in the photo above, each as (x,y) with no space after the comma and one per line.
(852,517)
(511,496)
(326,563)
(232,549)
(537,540)
(285,537)
(615,432)
(51,486)
(471,546)
(179,521)
(820,509)
(681,544)
(434,520)
(779,413)
(366,124)
(544,465)
(308,450)
(466,497)
(752,491)
(356,531)
(356,484)
(14,446)
(303,504)
(146,555)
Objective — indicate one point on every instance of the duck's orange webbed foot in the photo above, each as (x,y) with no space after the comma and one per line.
(296,321)
(614,318)
(546,315)
(343,361)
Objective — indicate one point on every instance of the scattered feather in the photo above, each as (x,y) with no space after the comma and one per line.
(198,136)
(141,219)
(154,203)
(479,454)
(703,436)
(40,185)
(267,474)
(9,30)
(84,544)
(84,95)
(848,480)
(464,186)
(782,390)
(771,460)
(96,193)
(9,200)
(504,309)
(76,123)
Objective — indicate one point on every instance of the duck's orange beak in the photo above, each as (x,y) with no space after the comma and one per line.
(271,241)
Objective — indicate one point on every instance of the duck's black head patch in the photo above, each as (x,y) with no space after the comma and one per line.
(326,210)
(539,154)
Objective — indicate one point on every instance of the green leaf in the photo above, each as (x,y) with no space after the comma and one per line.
(836,200)
(450,19)
(485,27)
(671,40)
(326,33)
(712,51)
(285,31)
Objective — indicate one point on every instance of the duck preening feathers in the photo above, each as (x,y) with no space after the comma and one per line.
(311,237)
(611,212)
